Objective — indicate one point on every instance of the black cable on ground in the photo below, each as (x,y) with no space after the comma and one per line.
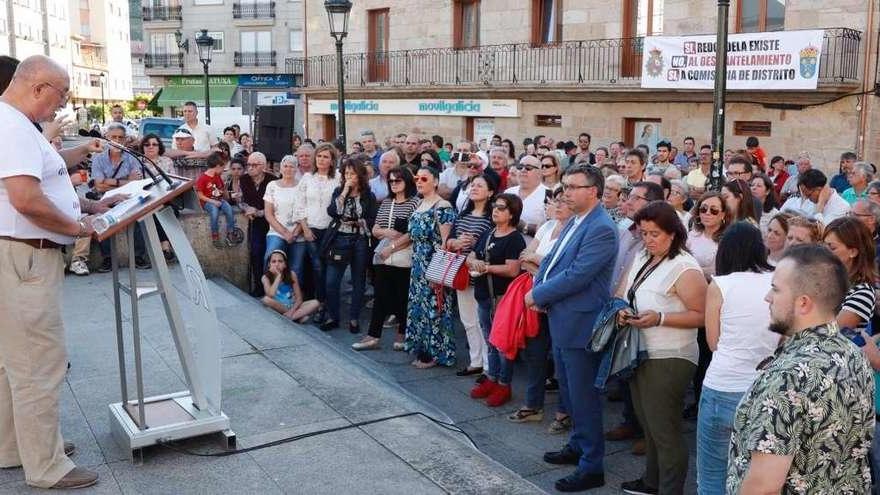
(274,443)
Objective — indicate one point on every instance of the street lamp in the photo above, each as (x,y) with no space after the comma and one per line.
(337,13)
(205,45)
(715,179)
(103,79)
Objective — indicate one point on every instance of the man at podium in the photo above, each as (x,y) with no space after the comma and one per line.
(39,213)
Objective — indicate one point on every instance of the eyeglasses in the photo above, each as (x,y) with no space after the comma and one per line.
(529,168)
(422,179)
(545,166)
(115,137)
(636,196)
(151,144)
(710,210)
(65,95)
(475,165)
(873,193)
(499,206)
(573,187)
(676,192)
(395,181)
(732,174)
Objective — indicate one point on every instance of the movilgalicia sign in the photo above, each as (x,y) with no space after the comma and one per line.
(450,107)
(762,61)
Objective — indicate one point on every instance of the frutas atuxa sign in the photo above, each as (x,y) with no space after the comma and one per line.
(764,61)
(476,108)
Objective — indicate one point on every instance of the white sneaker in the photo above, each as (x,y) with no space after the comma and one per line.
(79,267)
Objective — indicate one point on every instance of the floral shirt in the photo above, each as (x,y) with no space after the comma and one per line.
(814,400)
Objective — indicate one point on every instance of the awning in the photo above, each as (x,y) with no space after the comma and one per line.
(176,96)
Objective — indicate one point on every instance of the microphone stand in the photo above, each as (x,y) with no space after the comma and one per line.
(140,157)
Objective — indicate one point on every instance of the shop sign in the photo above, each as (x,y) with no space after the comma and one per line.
(441,106)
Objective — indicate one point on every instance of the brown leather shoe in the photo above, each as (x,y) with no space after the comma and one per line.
(638,447)
(622,432)
(77,478)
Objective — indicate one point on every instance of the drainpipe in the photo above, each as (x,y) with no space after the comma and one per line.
(304,100)
(865,99)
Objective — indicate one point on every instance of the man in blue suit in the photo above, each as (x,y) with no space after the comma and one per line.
(572,285)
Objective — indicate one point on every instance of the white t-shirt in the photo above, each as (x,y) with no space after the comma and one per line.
(744,340)
(32,155)
(450,178)
(203,136)
(533,206)
(283,201)
(545,243)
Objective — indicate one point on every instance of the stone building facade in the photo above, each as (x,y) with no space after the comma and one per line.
(570,66)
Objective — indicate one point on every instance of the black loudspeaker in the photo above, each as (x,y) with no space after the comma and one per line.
(274,131)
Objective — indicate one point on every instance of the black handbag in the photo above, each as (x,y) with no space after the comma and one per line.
(328,251)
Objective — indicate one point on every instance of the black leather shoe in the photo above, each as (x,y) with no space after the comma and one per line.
(329,325)
(637,487)
(565,456)
(469,371)
(578,482)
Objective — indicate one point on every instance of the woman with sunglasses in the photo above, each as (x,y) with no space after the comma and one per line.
(429,330)
(538,366)
(153,148)
(393,259)
(496,259)
(678,197)
(470,225)
(666,291)
(708,225)
(614,185)
(551,172)
(353,209)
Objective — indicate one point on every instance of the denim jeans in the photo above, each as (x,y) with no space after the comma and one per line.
(714,426)
(140,249)
(277,243)
(358,245)
(214,213)
(297,262)
(499,368)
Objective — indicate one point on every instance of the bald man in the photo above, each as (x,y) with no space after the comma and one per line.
(39,213)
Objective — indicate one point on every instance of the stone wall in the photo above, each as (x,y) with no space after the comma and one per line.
(229,262)
(825,131)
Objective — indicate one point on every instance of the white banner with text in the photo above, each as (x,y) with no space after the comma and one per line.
(764,61)
(441,106)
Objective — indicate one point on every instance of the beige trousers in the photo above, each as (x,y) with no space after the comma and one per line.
(33,362)
(81,248)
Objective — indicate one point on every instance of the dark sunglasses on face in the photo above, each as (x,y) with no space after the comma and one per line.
(150,144)
(422,179)
(395,181)
(545,166)
(522,167)
(475,165)
(499,206)
(710,210)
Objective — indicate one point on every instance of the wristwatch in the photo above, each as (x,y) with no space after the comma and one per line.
(82,230)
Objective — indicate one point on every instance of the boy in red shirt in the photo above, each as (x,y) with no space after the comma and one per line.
(759,156)
(212,194)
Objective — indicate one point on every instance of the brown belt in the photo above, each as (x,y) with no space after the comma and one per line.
(34,243)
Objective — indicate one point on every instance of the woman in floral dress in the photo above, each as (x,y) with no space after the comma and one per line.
(429,331)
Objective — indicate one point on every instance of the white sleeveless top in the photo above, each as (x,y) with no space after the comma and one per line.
(744,340)
(662,342)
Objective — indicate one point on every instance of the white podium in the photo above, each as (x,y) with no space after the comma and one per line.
(140,421)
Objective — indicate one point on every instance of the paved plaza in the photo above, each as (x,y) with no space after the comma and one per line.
(282,379)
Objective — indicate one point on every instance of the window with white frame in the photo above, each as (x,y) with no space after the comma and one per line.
(256,41)
(207,2)
(163,43)
(219,46)
(296,40)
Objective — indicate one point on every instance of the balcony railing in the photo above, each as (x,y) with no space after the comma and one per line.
(590,62)
(163,60)
(163,13)
(253,10)
(255,59)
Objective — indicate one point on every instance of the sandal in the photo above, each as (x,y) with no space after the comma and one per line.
(423,365)
(398,346)
(525,414)
(560,425)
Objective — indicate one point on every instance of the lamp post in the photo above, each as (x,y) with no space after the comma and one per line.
(715,179)
(205,45)
(337,12)
(103,79)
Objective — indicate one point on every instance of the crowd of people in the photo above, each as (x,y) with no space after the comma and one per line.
(758,297)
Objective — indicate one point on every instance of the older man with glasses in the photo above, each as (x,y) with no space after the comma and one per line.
(532,192)
(253,190)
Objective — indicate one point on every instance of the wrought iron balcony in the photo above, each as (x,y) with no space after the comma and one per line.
(163,60)
(571,63)
(163,13)
(255,59)
(253,10)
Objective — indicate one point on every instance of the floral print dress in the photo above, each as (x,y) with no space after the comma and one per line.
(429,329)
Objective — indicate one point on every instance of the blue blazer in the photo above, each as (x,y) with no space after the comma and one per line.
(579,283)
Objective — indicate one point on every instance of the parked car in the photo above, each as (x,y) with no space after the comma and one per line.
(163,127)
